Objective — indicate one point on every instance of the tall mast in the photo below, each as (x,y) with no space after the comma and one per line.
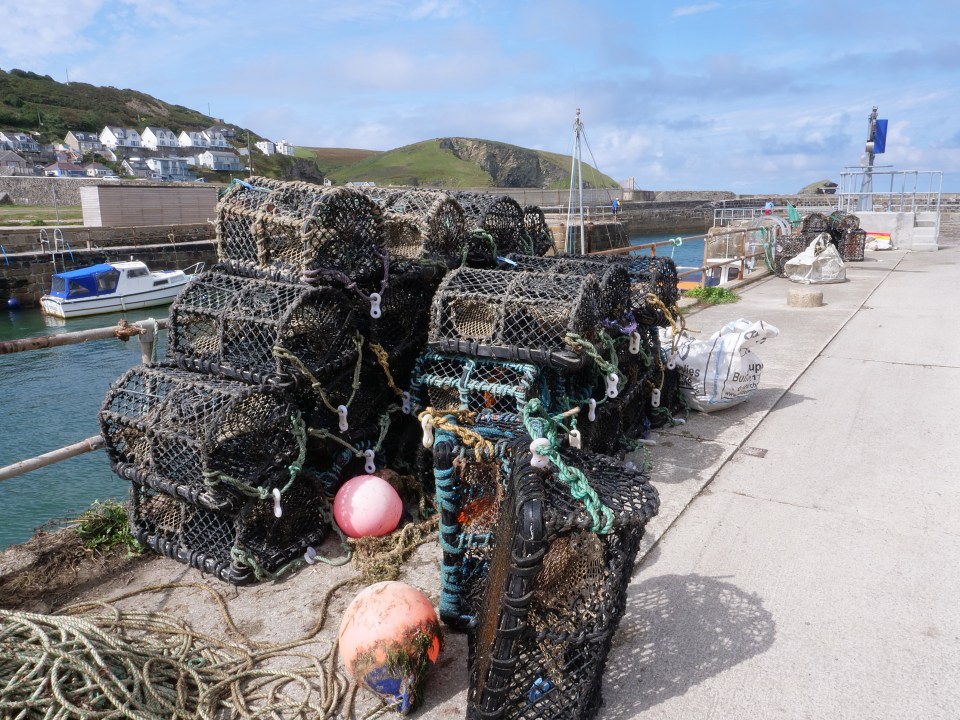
(576,173)
(866,183)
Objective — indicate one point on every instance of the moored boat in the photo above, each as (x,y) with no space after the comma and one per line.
(113,287)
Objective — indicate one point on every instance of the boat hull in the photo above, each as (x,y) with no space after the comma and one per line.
(102,304)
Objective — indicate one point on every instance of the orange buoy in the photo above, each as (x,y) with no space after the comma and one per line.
(389,638)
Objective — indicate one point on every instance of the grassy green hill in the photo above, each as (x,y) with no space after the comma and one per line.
(39,104)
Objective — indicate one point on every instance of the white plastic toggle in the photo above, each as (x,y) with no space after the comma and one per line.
(277,510)
(655,397)
(539,460)
(375,310)
(370,467)
(613,383)
(405,397)
(426,423)
(310,556)
(592,412)
(575,440)
(635,342)
(671,362)
(342,412)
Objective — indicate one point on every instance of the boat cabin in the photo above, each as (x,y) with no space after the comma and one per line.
(102,279)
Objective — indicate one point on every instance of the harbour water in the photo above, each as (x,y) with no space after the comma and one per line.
(50,398)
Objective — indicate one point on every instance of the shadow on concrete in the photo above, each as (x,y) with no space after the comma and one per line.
(678,631)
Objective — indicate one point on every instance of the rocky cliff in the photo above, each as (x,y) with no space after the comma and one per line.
(508,165)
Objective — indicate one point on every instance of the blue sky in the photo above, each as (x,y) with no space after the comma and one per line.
(753,96)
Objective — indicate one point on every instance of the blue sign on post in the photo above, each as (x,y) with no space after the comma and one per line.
(880,137)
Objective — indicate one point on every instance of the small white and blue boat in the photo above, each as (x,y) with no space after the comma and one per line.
(113,287)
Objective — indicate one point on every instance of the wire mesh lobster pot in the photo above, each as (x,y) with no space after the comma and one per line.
(499,215)
(435,222)
(852,244)
(537,230)
(209,441)
(471,465)
(523,316)
(788,247)
(251,328)
(815,223)
(397,329)
(617,422)
(240,547)
(301,227)
(447,382)
(556,591)
(649,275)
(613,280)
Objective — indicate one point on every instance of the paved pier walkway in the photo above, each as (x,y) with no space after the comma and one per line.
(807,557)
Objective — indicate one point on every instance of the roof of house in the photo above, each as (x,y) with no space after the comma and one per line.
(219,153)
(155,130)
(136,163)
(10,156)
(95,166)
(68,166)
(85,136)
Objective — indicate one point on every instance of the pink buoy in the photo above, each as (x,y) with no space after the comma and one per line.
(389,638)
(367,506)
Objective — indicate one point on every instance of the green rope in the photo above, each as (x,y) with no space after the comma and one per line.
(607,367)
(315,384)
(212,478)
(578,483)
(383,422)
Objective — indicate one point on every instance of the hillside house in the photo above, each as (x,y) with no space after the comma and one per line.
(284,148)
(12,164)
(118,138)
(170,168)
(137,167)
(228,132)
(97,170)
(64,169)
(193,139)
(266,147)
(215,139)
(157,138)
(82,142)
(18,142)
(215,160)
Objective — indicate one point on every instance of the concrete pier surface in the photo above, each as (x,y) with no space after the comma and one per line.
(806,559)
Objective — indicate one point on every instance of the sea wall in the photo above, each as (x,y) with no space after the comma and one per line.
(33,190)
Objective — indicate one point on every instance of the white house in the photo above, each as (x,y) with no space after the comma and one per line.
(157,138)
(284,148)
(118,138)
(220,160)
(170,168)
(19,142)
(215,138)
(266,147)
(193,138)
(97,170)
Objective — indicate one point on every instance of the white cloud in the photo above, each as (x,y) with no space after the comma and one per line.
(44,28)
(685,10)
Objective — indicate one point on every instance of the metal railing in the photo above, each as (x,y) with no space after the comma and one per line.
(879,189)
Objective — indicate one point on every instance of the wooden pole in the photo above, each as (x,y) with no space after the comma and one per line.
(54,456)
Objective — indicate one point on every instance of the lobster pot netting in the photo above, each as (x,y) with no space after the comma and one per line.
(515,315)
(613,280)
(537,230)
(261,330)
(815,223)
(448,382)
(649,276)
(852,244)
(470,481)
(556,590)
(436,218)
(789,246)
(500,216)
(239,547)
(302,228)
(399,334)
(207,440)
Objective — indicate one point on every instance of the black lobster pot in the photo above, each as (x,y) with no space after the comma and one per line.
(555,590)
